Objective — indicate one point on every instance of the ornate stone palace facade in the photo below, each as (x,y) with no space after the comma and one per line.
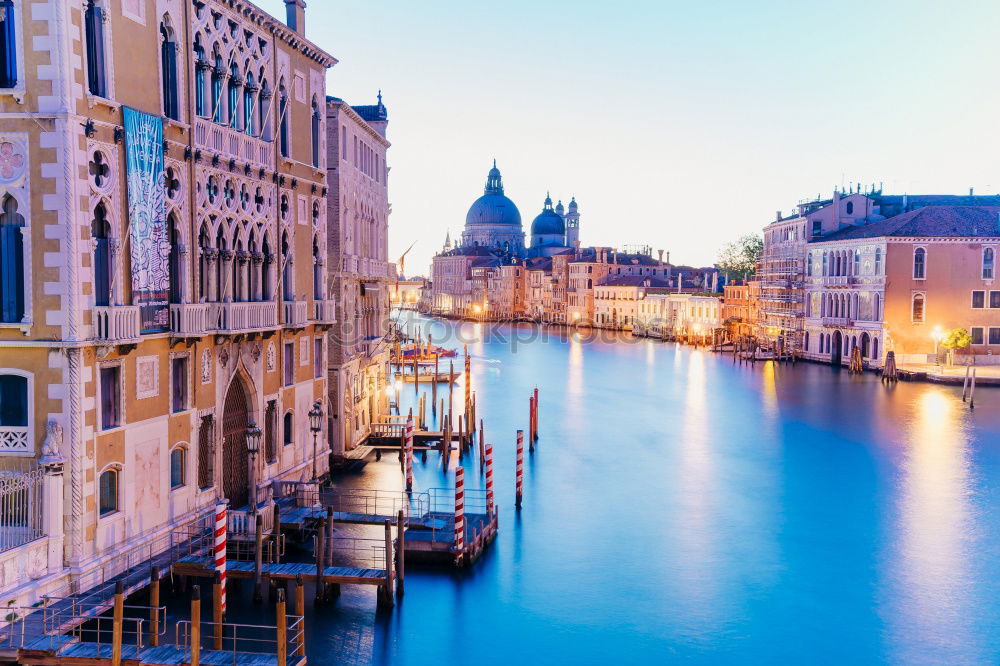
(164,217)
(358,268)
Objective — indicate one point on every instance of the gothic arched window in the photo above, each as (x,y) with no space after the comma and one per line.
(100,230)
(235,83)
(200,65)
(217,89)
(174,260)
(248,104)
(283,121)
(288,290)
(168,61)
(94,27)
(11,262)
(316,123)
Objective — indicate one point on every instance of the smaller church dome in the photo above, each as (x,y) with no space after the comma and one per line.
(548,222)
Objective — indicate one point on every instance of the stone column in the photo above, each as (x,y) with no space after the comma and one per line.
(241,288)
(182,268)
(257,269)
(52,463)
(225,268)
(211,256)
(117,271)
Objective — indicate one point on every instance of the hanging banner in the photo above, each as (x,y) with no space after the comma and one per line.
(150,244)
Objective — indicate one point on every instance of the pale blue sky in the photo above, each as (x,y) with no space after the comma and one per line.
(676,124)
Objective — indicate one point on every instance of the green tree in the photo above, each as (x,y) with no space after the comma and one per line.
(958,338)
(738,259)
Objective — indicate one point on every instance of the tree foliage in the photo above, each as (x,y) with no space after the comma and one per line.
(739,258)
(958,338)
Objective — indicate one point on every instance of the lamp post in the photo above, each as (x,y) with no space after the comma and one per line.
(315,424)
(937,335)
(252,438)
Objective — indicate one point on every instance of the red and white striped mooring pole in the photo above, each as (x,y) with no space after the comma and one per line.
(535,420)
(520,468)
(408,454)
(531,423)
(459,511)
(489,482)
(220,550)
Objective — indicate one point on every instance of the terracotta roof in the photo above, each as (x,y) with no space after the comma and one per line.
(930,221)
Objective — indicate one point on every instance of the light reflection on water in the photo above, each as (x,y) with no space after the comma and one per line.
(680,506)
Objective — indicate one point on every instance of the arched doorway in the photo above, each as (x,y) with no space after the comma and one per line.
(837,351)
(865,344)
(235,418)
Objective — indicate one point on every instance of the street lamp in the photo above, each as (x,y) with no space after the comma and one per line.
(315,424)
(937,335)
(252,438)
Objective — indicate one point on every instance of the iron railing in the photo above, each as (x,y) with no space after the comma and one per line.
(243,638)
(21,504)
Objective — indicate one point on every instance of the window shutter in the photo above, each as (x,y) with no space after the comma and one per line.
(11,274)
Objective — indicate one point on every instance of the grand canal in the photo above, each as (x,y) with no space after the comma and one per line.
(679,506)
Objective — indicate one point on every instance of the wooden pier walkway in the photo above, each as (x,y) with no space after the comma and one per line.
(74,653)
(202,566)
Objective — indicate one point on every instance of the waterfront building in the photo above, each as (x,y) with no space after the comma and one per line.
(357,267)
(619,300)
(590,266)
(903,283)
(404,292)
(158,176)
(740,308)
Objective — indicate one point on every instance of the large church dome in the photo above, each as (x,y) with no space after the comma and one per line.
(493,208)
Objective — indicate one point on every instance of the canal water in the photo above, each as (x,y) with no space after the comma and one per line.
(679,506)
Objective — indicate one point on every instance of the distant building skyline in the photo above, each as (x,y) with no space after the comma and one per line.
(684,125)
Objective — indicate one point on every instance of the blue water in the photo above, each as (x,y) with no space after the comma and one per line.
(681,507)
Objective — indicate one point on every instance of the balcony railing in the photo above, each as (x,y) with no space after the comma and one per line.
(237,317)
(232,144)
(189,319)
(295,313)
(116,323)
(324,312)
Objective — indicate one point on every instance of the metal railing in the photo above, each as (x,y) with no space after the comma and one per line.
(356,552)
(243,638)
(21,505)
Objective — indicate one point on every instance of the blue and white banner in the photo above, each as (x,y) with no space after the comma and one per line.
(148,237)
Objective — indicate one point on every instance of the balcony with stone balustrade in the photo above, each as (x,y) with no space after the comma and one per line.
(324,312)
(229,143)
(296,314)
(189,319)
(249,317)
(116,324)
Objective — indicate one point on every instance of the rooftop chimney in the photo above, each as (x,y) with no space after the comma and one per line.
(661,255)
(777,216)
(296,15)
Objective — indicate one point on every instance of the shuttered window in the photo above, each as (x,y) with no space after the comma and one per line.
(94,25)
(8,45)
(11,262)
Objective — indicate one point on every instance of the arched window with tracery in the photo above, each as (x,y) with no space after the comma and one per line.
(235,84)
(249,98)
(288,289)
(317,271)
(283,121)
(263,106)
(221,277)
(168,64)
(204,263)
(267,280)
(174,260)
(217,74)
(919,263)
(316,126)
(201,64)
(100,230)
(11,262)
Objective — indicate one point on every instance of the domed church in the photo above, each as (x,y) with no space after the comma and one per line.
(493,223)
(493,220)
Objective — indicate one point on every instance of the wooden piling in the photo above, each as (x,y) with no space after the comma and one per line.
(434,384)
(217,612)
(451,386)
(531,424)
(258,554)
(387,593)
(536,413)
(154,607)
(400,552)
(116,624)
(965,382)
(195,657)
(319,549)
(276,533)
(300,610)
(282,629)
(972,393)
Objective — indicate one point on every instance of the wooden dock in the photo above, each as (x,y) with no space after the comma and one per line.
(202,567)
(100,654)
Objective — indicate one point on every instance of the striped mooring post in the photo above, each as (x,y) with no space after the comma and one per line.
(531,423)
(489,481)
(408,455)
(220,550)
(519,468)
(459,514)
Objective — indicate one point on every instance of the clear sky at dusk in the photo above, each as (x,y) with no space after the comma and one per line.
(676,124)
